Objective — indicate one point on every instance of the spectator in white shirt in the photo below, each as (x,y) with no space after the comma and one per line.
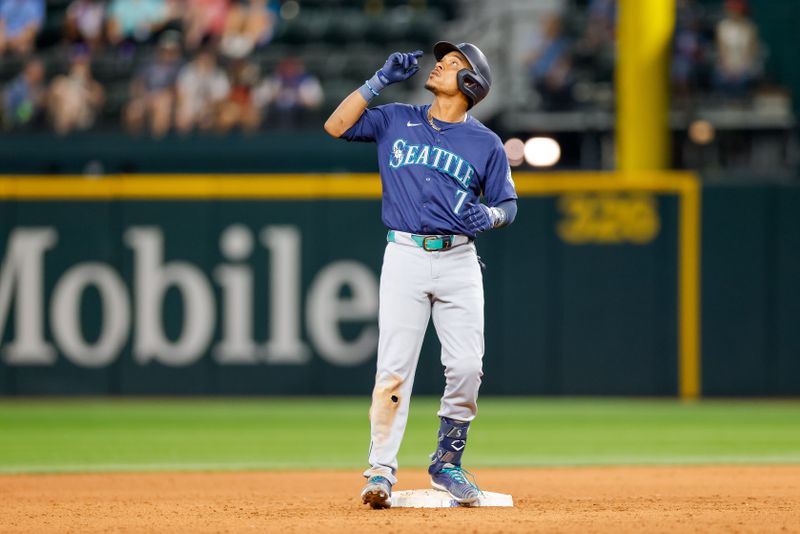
(202,87)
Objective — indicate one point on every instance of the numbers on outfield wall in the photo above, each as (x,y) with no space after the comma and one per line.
(608,218)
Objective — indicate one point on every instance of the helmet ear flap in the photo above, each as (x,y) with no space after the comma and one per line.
(470,84)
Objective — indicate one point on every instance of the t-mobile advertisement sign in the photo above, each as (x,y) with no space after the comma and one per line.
(134,309)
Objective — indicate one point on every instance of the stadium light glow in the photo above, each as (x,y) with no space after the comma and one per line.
(289,10)
(702,132)
(515,151)
(542,151)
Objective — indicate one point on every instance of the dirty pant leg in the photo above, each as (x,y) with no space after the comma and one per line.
(404,312)
(458,318)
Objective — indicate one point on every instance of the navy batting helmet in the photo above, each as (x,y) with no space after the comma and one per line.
(476,82)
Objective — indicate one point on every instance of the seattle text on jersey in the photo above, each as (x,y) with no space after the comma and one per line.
(433,157)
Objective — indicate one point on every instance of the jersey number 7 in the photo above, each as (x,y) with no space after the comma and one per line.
(461,195)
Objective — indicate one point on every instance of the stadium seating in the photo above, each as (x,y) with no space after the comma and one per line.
(340,42)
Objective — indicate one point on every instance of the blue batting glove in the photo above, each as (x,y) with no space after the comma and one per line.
(478,218)
(397,68)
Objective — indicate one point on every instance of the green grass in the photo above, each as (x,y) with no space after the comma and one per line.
(207,434)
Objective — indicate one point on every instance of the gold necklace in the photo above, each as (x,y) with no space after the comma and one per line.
(438,129)
(430,121)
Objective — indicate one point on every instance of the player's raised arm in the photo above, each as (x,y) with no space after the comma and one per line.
(346,114)
(398,67)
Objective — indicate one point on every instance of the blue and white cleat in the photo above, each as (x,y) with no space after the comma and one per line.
(377,493)
(452,479)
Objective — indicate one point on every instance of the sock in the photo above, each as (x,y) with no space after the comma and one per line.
(452,440)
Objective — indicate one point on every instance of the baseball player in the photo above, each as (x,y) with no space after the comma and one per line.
(435,163)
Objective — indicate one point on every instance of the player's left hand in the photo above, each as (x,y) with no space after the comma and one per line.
(399,67)
(478,217)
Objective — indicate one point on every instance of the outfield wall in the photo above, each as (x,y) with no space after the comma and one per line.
(751,289)
(268,285)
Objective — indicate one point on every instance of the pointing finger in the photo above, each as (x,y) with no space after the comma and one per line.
(417,53)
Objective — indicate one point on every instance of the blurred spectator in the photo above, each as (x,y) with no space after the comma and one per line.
(84,22)
(594,51)
(550,66)
(241,109)
(738,56)
(601,26)
(24,97)
(202,87)
(153,89)
(135,20)
(75,98)
(291,92)
(20,21)
(688,53)
(204,21)
(249,25)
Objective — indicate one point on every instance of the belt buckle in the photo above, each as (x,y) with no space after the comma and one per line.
(447,242)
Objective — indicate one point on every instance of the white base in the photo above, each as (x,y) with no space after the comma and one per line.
(431,498)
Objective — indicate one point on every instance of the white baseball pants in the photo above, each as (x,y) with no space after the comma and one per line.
(416,285)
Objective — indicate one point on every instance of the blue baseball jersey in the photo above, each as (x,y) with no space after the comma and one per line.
(429,176)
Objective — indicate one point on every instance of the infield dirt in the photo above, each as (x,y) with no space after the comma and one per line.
(613,499)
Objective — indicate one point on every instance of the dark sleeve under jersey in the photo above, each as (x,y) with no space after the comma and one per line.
(509,207)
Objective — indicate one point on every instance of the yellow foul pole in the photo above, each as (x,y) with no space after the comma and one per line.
(644,45)
(644,42)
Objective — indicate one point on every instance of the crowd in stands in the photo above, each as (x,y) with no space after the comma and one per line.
(160,66)
(196,73)
(717,54)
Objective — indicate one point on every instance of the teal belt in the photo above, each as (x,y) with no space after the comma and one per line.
(430,243)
